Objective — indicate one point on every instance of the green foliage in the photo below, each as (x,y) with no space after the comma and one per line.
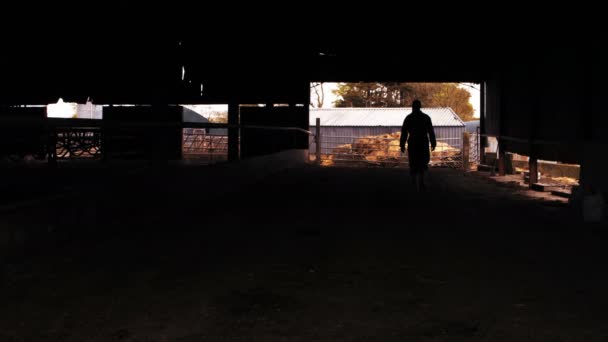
(218,117)
(398,94)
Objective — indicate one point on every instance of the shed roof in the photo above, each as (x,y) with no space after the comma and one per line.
(442,116)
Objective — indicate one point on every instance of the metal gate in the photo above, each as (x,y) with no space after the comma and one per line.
(200,146)
(382,151)
(474,141)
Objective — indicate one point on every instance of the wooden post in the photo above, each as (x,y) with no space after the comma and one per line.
(501,158)
(318,141)
(535,123)
(51,146)
(233,132)
(501,128)
(102,143)
(466,148)
(533,167)
(482,125)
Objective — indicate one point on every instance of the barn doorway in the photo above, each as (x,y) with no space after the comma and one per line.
(360,122)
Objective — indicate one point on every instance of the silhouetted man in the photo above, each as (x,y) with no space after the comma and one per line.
(419,128)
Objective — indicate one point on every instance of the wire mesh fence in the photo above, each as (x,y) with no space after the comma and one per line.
(382,151)
(474,143)
(199,145)
(78,143)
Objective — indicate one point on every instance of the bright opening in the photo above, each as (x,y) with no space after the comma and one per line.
(360,122)
(73,110)
(201,142)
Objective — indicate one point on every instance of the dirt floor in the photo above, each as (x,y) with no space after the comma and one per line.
(314,254)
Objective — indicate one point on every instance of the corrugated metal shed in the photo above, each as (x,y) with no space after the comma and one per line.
(392,117)
(471,126)
(341,126)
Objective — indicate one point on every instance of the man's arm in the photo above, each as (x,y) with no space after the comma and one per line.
(431,132)
(403,137)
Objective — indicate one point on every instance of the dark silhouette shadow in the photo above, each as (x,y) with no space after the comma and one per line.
(418,127)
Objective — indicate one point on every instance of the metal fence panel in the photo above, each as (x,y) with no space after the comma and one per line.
(382,151)
(454,134)
(198,145)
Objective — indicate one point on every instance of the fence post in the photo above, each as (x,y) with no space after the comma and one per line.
(481,147)
(533,167)
(234,147)
(466,147)
(501,157)
(51,146)
(318,142)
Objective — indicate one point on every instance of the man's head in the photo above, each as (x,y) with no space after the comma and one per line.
(416,105)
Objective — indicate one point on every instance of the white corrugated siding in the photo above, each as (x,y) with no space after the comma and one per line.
(380,117)
(335,136)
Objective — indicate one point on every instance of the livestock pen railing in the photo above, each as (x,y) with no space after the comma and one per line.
(50,140)
(381,151)
(199,144)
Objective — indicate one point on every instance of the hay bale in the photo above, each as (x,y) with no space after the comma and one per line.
(384,150)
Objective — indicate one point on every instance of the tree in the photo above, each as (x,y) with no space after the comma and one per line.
(364,95)
(317,88)
(218,117)
(401,94)
(450,95)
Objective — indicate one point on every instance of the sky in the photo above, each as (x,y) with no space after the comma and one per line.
(475,97)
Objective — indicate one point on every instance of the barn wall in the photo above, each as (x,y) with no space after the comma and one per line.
(492,106)
(561,104)
(594,165)
(540,98)
(257,142)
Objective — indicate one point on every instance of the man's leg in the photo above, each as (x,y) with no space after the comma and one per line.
(417,179)
(413,176)
(421,186)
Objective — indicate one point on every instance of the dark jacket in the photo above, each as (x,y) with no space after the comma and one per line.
(417,129)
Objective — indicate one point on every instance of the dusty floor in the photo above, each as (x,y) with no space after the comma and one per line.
(315,255)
